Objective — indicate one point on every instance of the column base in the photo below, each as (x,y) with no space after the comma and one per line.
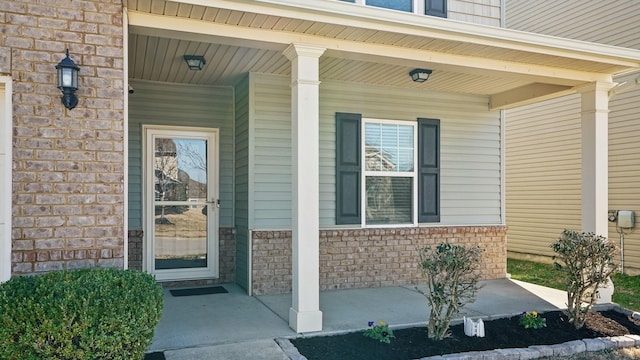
(305,321)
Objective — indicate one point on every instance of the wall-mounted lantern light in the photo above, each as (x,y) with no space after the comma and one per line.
(68,81)
(420,75)
(195,62)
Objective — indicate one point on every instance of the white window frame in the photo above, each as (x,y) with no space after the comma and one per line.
(412,174)
(6,157)
(417,6)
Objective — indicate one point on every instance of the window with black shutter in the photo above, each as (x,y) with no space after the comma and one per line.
(394,166)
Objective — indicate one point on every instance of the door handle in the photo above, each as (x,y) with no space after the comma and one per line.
(216,202)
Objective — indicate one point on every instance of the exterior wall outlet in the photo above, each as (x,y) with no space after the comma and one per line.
(626,219)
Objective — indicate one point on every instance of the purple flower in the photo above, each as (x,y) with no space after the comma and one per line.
(370,323)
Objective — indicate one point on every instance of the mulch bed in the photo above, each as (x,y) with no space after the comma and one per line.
(413,343)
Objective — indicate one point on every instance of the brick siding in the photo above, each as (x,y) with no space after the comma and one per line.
(366,258)
(67,164)
(136,249)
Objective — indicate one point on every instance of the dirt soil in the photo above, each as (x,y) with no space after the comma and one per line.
(413,343)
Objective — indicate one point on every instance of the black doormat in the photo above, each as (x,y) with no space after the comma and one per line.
(199,291)
(158,355)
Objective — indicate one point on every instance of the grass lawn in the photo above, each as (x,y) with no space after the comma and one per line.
(626,288)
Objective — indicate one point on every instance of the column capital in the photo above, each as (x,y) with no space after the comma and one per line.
(595,86)
(294,50)
(595,96)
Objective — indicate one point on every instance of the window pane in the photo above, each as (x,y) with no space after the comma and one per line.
(389,200)
(389,147)
(402,5)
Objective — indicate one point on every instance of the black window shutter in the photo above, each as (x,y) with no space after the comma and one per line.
(348,168)
(435,8)
(428,170)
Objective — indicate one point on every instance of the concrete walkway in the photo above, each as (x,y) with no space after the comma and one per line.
(236,326)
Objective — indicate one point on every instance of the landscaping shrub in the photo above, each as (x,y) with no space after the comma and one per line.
(452,282)
(79,314)
(587,263)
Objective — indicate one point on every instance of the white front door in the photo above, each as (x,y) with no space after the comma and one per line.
(181,198)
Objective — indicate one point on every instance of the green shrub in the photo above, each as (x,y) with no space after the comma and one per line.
(586,261)
(80,314)
(452,281)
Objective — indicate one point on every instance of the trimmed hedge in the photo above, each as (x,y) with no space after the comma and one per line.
(79,314)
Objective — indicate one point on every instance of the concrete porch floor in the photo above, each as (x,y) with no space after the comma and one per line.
(236,326)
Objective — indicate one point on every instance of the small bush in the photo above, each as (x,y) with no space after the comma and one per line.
(80,314)
(586,260)
(452,282)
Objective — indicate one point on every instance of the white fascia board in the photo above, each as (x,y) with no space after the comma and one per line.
(370,17)
(195,30)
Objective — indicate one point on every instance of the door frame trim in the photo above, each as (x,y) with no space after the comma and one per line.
(213,154)
(6,152)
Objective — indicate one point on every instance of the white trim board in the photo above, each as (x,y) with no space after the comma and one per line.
(5,176)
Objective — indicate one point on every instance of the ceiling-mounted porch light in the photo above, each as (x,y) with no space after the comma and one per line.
(67,81)
(420,75)
(195,62)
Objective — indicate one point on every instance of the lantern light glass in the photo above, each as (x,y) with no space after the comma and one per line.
(67,81)
(195,62)
(420,75)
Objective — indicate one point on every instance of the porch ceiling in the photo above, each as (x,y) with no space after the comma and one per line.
(242,35)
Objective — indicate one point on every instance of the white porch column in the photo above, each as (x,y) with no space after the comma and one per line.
(595,172)
(595,142)
(305,314)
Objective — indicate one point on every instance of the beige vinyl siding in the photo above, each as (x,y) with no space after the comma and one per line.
(180,105)
(486,12)
(607,22)
(538,209)
(624,169)
(543,170)
(470,153)
(241,92)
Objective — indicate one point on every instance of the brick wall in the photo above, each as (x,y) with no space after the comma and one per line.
(227,256)
(370,257)
(67,164)
(135,240)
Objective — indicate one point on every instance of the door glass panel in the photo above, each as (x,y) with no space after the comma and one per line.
(180,205)
(181,237)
